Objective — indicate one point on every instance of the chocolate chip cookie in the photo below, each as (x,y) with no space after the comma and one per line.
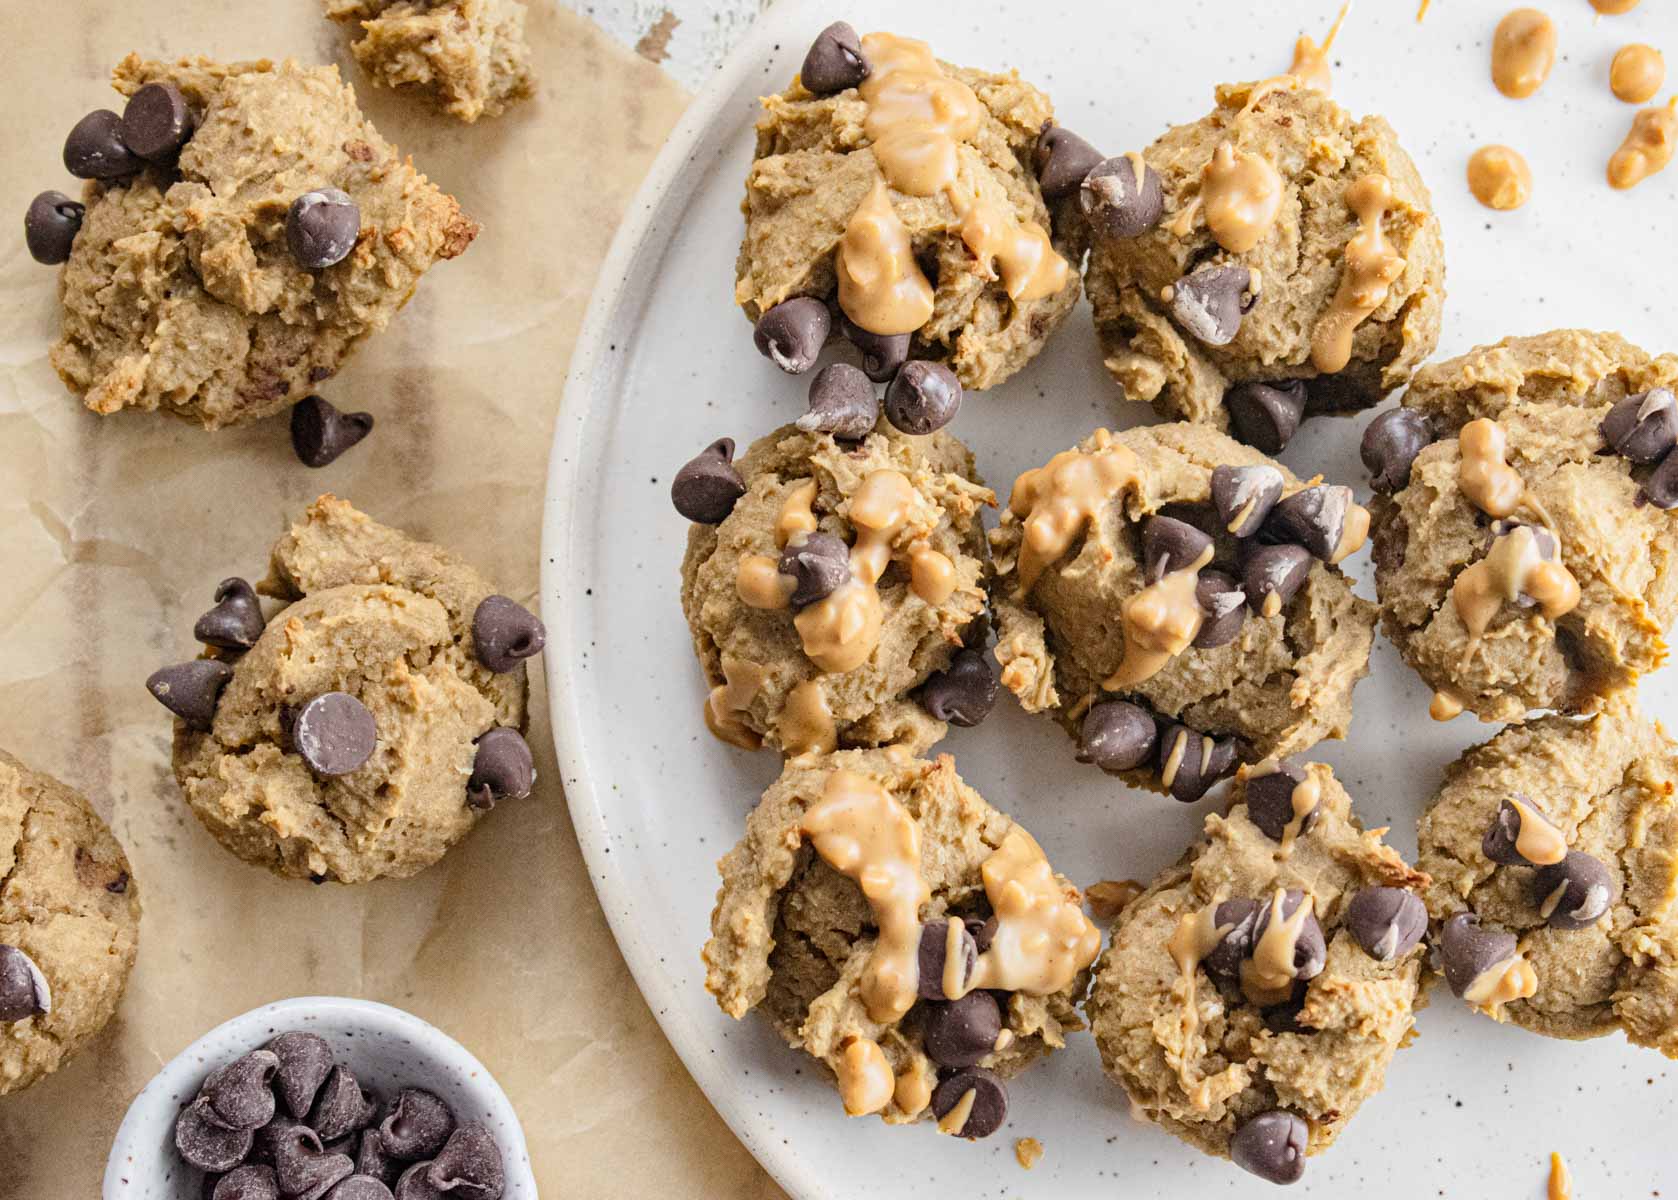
(901,931)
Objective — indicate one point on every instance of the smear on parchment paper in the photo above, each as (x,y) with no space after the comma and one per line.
(654,45)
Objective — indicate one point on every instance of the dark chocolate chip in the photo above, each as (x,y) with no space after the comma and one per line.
(360,1187)
(1642,428)
(320,432)
(190,689)
(204,1144)
(792,334)
(1272,1145)
(505,633)
(469,1164)
(308,1175)
(990,1100)
(240,1095)
(250,1182)
(1270,801)
(236,621)
(1284,1017)
(305,1062)
(1386,921)
(1498,843)
(335,733)
(882,353)
(1117,736)
(503,769)
(1116,202)
(1575,893)
(24,991)
(1062,159)
(959,1033)
(1312,517)
(1310,948)
(983,931)
(834,61)
(1210,301)
(922,397)
(1661,488)
(1224,605)
(1244,496)
(705,489)
(964,692)
(1198,766)
(372,1159)
(342,1108)
(1274,572)
(322,227)
(50,226)
(934,953)
(157,122)
(1467,951)
(1171,545)
(842,403)
(1266,415)
(95,149)
(1390,446)
(819,564)
(417,1126)
(413,1185)
(1223,961)
(283,1131)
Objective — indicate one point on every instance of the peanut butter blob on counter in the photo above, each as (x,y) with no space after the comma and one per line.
(1523,51)
(1499,177)
(1613,8)
(1636,73)
(1647,148)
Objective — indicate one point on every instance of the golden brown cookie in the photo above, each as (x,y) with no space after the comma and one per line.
(470,56)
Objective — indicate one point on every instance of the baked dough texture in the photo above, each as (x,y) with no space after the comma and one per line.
(469,55)
(1607,782)
(1319,150)
(181,294)
(388,619)
(1202,1079)
(1549,393)
(813,167)
(69,901)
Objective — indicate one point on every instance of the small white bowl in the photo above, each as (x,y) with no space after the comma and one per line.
(385,1048)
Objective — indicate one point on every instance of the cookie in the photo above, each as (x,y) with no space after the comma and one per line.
(1523,562)
(902,932)
(1292,245)
(1253,995)
(227,279)
(930,238)
(1553,850)
(836,580)
(69,924)
(374,718)
(1169,647)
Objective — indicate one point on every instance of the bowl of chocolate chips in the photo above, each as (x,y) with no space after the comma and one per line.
(321,1098)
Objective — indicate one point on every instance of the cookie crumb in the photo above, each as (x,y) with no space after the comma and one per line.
(654,45)
(1028,1151)
(1108,898)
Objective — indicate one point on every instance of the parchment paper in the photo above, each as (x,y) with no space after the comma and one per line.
(114,531)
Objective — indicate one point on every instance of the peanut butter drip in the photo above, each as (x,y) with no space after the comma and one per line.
(758,580)
(1445,706)
(1310,61)
(1017,252)
(913,1090)
(1513,567)
(955,1120)
(932,576)
(1042,937)
(1537,840)
(1371,266)
(1354,532)
(861,831)
(1561,1179)
(1499,177)
(1241,193)
(917,115)
(1028,1152)
(881,286)
(1636,73)
(1304,798)
(1267,977)
(1523,51)
(1197,934)
(1613,8)
(1647,148)
(728,700)
(840,631)
(1511,979)
(1159,623)
(866,1084)
(796,515)
(1483,472)
(1056,501)
(805,724)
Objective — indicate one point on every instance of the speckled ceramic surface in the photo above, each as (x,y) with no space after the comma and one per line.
(383,1047)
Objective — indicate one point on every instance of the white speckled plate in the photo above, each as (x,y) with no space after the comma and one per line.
(665,365)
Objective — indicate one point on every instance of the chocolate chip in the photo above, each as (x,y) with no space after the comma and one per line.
(1386,921)
(1210,302)
(934,953)
(321,228)
(343,1107)
(305,1060)
(1224,605)
(1284,1017)
(95,149)
(190,689)
(1642,428)
(360,1187)
(469,1164)
(1498,842)
(1575,893)
(240,1095)
(334,733)
(372,1159)
(1223,961)
(705,489)
(818,563)
(250,1182)
(964,692)
(1117,736)
(24,991)
(990,1100)
(236,621)
(1272,1146)
(1390,446)
(204,1144)
(1116,202)
(157,122)
(922,397)
(1244,496)
(882,353)
(505,633)
(983,931)
(1661,488)
(50,226)
(414,1186)
(834,62)
(1273,575)
(282,1131)
(417,1126)
(1194,769)
(308,1174)
(792,333)
(320,432)
(1310,949)
(1270,801)
(1062,159)
(842,403)
(1467,951)
(1266,415)
(1171,545)
(959,1033)
(1313,517)
(503,769)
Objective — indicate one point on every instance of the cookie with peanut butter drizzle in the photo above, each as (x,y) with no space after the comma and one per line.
(1525,561)
(1171,598)
(900,930)
(1553,853)
(1264,982)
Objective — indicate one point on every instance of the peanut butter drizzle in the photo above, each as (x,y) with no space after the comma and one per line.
(866,1084)
(1108,898)
(1647,148)
(1499,177)
(1017,252)
(1483,471)
(1174,757)
(1306,795)
(1159,623)
(796,515)
(913,1089)
(1353,534)
(1523,51)
(917,115)
(805,723)
(1267,977)
(760,584)
(1501,983)
(840,631)
(1042,937)
(1242,194)
(1371,267)
(932,576)
(881,286)
(1561,1179)
(1537,840)
(1028,1152)
(861,831)
(1512,566)
(1310,61)
(1636,73)
(1446,705)
(729,699)
(1421,13)
(953,1121)
(1197,934)
(1056,501)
